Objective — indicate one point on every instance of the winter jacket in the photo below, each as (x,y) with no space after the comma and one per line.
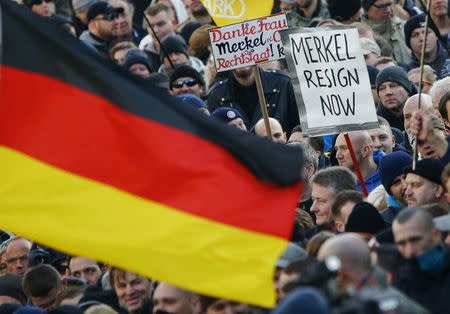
(392,31)
(429,288)
(278,92)
(438,64)
(297,19)
(375,179)
(392,209)
(394,121)
(101,45)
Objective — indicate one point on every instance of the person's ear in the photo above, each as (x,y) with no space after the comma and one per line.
(439,191)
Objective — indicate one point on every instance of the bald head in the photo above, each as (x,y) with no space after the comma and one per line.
(278,135)
(353,252)
(360,139)
(412,105)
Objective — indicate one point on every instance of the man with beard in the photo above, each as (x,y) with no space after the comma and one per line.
(435,54)
(379,15)
(425,277)
(238,91)
(440,16)
(198,11)
(307,13)
(123,28)
(393,89)
(102,18)
(424,185)
(393,180)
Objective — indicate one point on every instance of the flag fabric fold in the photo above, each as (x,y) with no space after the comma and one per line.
(97,164)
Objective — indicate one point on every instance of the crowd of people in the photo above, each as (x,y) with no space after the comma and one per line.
(384,252)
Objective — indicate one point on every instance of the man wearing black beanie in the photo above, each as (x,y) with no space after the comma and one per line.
(379,15)
(394,89)
(435,54)
(346,12)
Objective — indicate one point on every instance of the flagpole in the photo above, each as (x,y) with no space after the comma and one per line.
(427,16)
(356,165)
(262,101)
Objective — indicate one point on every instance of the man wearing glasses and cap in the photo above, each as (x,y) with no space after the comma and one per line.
(379,15)
(101,18)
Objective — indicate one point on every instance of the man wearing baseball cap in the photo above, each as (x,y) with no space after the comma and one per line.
(423,184)
(101,18)
(435,54)
(229,116)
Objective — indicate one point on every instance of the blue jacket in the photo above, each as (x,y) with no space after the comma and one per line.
(375,179)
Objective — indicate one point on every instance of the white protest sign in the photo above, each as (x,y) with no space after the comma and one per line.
(330,79)
(248,43)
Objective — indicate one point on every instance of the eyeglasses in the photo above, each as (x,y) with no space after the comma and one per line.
(189,82)
(383,6)
(39,2)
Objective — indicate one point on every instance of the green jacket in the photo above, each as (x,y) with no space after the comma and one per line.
(392,31)
(297,19)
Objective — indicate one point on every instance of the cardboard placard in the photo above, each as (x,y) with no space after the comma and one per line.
(330,78)
(248,43)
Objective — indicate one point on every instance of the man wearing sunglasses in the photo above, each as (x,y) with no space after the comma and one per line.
(186,80)
(102,18)
(44,8)
(379,15)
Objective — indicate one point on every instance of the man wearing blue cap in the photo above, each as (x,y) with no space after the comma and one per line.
(229,116)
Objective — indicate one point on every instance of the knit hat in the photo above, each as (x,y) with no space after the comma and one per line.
(373,72)
(11,286)
(395,74)
(29,310)
(414,22)
(188,29)
(226,114)
(366,4)
(135,55)
(186,71)
(101,8)
(65,309)
(343,10)
(428,168)
(391,166)
(159,80)
(192,100)
(8,308)
(369,46)
(174,43)
(291,253)
(309,300)
(82,5)
(365,218)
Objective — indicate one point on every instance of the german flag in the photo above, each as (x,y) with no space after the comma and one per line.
(96,164)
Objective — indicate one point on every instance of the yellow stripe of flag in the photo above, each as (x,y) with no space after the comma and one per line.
(83,217)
